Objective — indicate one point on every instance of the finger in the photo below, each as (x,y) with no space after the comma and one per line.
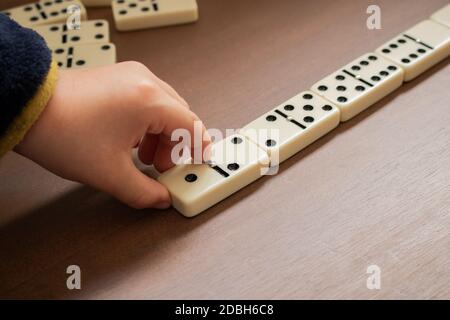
(164,159)
(163,155)
(147,148)
(137,143)
(171,91)
(168,115)
(168,88)
(137,190)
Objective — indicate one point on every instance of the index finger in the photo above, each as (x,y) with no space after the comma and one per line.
(171,119)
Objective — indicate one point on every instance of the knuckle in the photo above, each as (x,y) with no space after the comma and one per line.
(134,66)
(192,116)
(143,90)
(146,87)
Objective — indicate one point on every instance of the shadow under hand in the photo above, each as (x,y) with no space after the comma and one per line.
(88,228)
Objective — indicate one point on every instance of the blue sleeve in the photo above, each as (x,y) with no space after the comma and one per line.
(25,61)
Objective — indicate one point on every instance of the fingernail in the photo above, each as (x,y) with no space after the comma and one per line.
(207,154)
(162,205)
(206,136)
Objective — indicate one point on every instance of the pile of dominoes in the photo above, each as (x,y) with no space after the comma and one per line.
(88,45)
(308,116)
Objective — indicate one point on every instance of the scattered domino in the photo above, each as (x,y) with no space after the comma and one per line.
(97,3)
(141,14)
(93,31)
(442,16)
(360,84)
(44,12)
(236,162)
(84,56)
(418,48)
(293,125)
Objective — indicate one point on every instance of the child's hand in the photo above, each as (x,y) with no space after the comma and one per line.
(94,120)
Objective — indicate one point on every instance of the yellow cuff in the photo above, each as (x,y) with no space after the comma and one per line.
(22,123)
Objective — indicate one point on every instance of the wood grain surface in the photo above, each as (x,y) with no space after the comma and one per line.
(374,191)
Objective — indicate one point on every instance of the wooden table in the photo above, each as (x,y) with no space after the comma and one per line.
(375,191)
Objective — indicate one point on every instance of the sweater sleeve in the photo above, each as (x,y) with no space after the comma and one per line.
(27,80)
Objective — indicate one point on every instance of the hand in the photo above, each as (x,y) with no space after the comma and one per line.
(94,120)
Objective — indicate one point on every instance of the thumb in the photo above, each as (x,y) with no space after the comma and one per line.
(137,190)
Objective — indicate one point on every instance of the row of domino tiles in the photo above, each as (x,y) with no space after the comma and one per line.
(127,14)
(88,46)
(242,158)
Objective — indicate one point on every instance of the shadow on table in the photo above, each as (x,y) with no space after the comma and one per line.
(90,229)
